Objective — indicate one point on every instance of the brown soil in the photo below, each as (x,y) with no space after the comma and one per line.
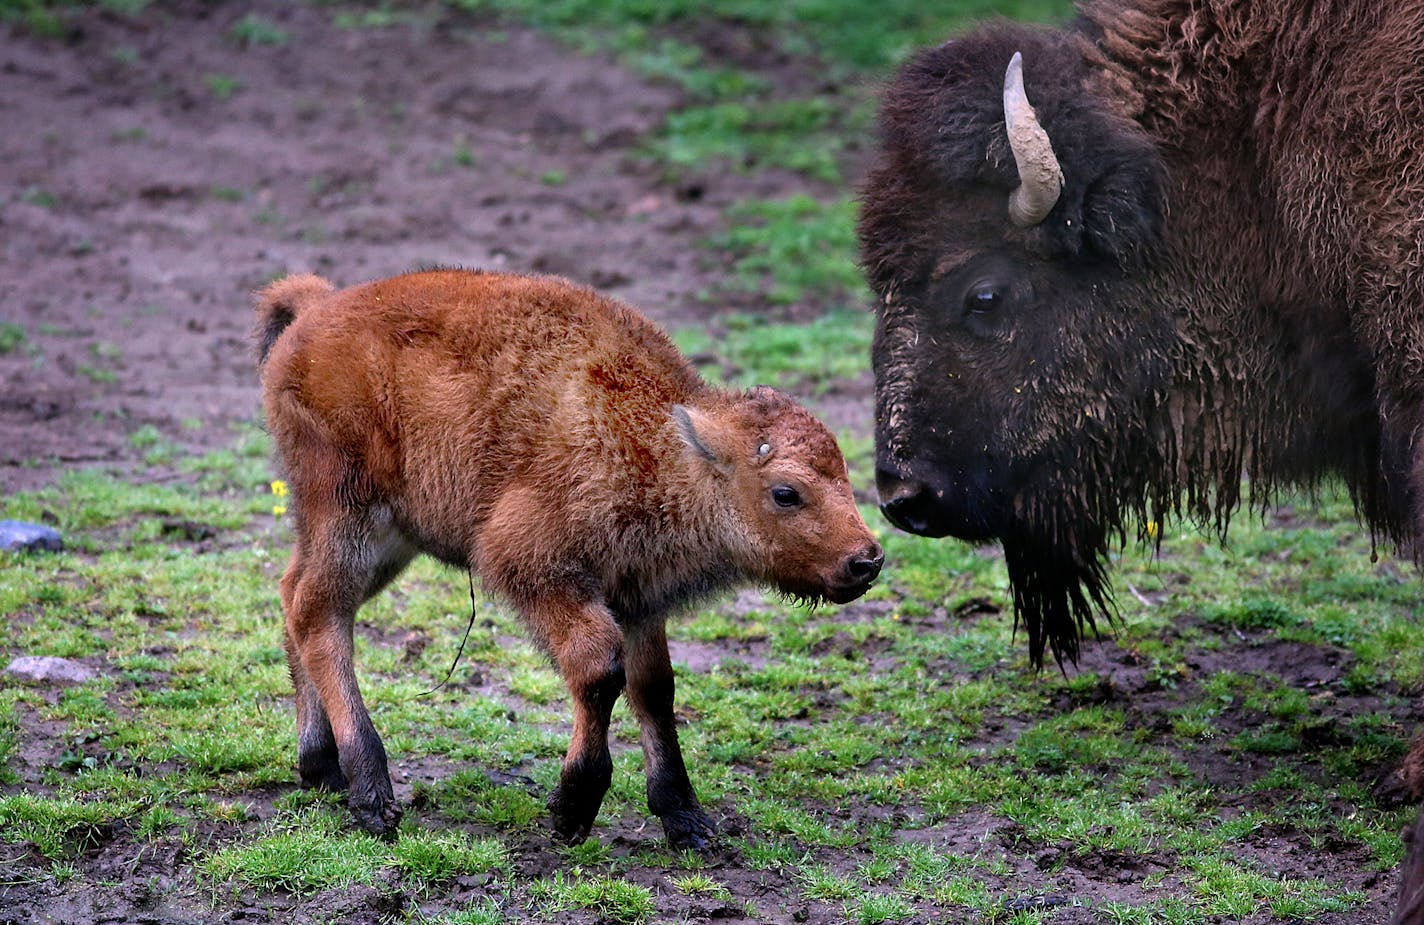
(139,207)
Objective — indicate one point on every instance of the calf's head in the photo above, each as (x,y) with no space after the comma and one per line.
(794,524)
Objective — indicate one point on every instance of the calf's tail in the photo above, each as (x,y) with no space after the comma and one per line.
(279,303)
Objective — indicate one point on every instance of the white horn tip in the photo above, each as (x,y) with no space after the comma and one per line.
(1014,75)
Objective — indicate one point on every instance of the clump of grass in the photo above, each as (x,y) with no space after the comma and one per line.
(59,827)
(794,248)
(303,861)
(611,898)
(793,135)
(252,30)
(437,857)
(809,356)
(222,86)
(700,884)
(1253,613)
(468,795)
(12,337)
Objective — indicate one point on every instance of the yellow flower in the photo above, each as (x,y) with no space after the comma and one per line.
(279,488)
(1152,529)
(278,510)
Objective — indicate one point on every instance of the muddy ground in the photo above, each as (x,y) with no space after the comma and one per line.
(153,172)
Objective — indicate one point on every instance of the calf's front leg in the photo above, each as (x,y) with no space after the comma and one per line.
(588,647)
(651,687)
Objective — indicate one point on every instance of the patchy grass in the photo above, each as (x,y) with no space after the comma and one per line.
(848,744)
(747,350)
(794,249)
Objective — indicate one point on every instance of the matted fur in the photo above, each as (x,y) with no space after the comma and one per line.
(1232,281)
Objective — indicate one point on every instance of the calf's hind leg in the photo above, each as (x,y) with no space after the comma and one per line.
(318,764)
(651,686)
(341,559)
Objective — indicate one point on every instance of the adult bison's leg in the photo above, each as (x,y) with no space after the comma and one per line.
(1410,908)
(588,647)
(650,692)
(332,571)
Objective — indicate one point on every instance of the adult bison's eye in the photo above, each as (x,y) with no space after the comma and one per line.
(786,496)
(983,298)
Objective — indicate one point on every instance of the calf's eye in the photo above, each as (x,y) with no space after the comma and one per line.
(785,496)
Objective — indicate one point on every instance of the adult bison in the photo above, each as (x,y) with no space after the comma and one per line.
(1122,264)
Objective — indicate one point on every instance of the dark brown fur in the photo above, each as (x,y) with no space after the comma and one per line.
(1231,281)
(555,443)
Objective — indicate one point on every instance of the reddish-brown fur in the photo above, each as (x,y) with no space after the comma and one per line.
(555,443)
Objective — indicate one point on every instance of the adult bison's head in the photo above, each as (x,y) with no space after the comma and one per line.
(1010,229)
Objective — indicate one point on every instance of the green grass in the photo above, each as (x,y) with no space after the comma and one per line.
(894,711)
(12,337)
(803,136)
(253,30)
(610,898)
(849,35)
(739,116)
(794,249)
(747,350)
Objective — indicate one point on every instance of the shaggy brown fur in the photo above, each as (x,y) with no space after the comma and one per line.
(1231,280)
(555,443)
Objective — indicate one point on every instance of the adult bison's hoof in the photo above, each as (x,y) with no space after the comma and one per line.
(573,817)
(380,819)
(689,828)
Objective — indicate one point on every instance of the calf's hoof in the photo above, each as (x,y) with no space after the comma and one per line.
(689,828)
(325,777)
(380,819)
(573,818)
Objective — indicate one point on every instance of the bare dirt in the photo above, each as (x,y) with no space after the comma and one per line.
(153,172)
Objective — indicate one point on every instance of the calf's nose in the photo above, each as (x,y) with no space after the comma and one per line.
(864,567)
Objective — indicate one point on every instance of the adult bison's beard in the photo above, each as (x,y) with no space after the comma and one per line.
(1058,593)
(1072,508)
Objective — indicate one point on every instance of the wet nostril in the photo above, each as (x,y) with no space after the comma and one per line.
(862,569)
(906,507)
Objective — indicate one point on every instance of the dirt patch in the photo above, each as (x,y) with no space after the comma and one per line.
(157,171)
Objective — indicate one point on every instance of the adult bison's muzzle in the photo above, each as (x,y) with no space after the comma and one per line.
(959,505)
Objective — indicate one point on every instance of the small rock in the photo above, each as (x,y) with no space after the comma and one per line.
(18,536)
(1031,903)
(48,669)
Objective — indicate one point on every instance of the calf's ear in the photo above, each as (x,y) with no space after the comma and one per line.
(711,439)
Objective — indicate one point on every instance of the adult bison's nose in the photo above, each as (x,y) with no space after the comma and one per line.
(906,502)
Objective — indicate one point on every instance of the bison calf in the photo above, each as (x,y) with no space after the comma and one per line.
(556,443)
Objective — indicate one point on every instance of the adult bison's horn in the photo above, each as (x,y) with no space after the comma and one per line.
(1040,177)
